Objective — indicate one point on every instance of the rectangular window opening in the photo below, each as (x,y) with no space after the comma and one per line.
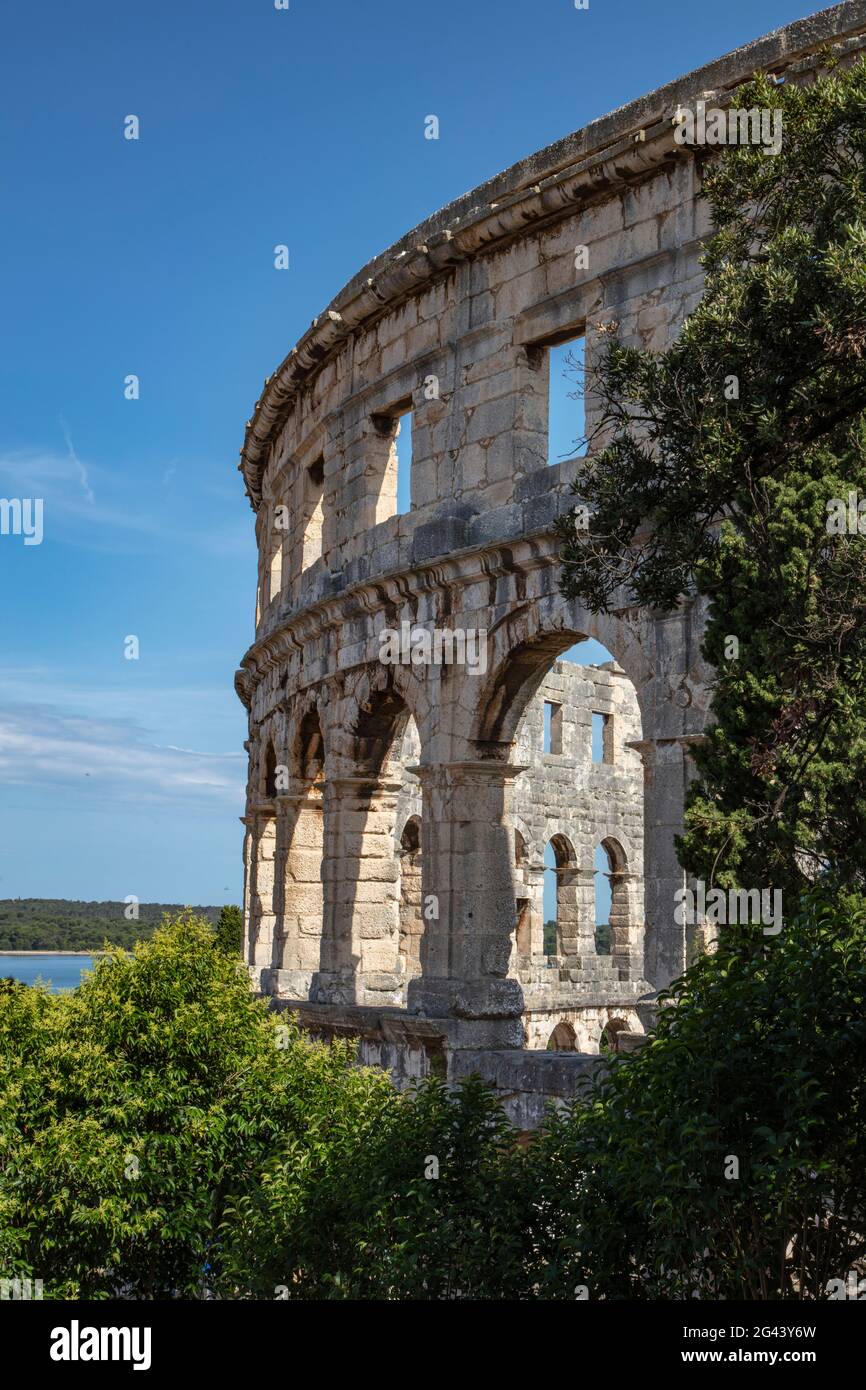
(552,727)
(314,488)
(566,413)
(602,743)
(276,569)
(403,445)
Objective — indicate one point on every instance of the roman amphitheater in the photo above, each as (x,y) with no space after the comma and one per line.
(402,813)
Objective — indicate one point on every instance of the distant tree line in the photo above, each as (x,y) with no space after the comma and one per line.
(59,924)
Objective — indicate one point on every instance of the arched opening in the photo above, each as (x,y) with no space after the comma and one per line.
(411,916)
(562,1039)
(568,715)
(298,896)
(560,898)
(608,1041)
(361,959)
(378,731)
(523,908)
(602,897)
(616,918)
(263,889)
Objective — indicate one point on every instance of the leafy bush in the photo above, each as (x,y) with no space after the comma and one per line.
(760,1057)
(429,1201)
(163,1135)
(133,1109)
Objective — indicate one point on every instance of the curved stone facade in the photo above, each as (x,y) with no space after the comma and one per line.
(455,323)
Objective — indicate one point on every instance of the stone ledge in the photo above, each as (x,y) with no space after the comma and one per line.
(550,1073)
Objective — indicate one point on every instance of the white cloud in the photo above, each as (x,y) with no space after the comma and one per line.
(42,746)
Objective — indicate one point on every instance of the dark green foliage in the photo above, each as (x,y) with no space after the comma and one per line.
(163,1135)
(550,937)
(60,924)
(430,1199)
(697,489)
(133,1108)
(602,939)
(230,930)
(760,1056)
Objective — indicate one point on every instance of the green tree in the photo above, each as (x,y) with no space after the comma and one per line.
(720,460)
(230,931)
(135,1109)
(726,1159)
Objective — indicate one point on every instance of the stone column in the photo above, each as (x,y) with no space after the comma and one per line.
(469,885)
(298,898)
(623,925)
(535,883)
(666,778)
(585,953)
(411,919)
(568,913)
(361,883)
(260,851)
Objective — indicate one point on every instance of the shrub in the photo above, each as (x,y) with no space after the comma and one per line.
(760,1057)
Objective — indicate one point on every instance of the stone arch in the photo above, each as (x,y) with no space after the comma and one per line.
(308,746)
(361,869)
(520,849)
(608,1041)
(522,650)
(567,895)
(562,1039)
(524,907)
(563,851)
(299,852)
(411,914)
(372,716)
(624,927)
(261,874)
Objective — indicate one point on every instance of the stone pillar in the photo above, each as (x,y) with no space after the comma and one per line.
(247,823)
(361,883)
(666,778)
(411,919)
(260,852)
(469,883)
(585,952)
(535,883)
(624,929)
(298,898)
(568,913)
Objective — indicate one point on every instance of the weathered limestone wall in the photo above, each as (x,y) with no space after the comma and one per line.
(456,322)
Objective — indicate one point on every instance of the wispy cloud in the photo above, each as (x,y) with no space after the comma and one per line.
(126,508)
(82,471)
(43,746)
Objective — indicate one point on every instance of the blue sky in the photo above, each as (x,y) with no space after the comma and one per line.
(155,257)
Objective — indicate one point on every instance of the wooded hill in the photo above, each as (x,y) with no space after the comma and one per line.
(59,924)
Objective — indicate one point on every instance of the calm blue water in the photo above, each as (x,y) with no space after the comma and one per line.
(63,972)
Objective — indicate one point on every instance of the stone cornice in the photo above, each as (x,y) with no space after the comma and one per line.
(269,652)
(592,162)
